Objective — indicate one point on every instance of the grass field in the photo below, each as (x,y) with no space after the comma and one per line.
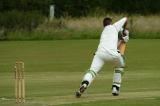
(53,71)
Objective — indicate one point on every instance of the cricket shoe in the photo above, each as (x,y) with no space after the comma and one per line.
(115,90)
(81,90)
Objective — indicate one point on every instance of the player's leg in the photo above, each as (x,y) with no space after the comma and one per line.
(96,65)
(117,76)
(118,71)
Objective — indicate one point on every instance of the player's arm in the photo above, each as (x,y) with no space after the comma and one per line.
(123,38)
(122,23)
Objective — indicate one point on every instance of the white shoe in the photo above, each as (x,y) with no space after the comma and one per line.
(115,90)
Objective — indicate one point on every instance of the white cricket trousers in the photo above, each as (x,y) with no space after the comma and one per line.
(106,57)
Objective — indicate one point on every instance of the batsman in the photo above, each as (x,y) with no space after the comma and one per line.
(111,49)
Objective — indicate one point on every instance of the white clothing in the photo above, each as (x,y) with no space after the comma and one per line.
(107,52)
(107,49)
(101,57)
(109,37)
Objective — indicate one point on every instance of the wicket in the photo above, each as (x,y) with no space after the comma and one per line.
(19,82)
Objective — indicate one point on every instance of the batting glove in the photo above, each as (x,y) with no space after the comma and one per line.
(125,36)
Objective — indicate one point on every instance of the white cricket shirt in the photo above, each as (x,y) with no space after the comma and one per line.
(109,36)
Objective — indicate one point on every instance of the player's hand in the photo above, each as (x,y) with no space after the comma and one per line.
(125,36)
(125,39)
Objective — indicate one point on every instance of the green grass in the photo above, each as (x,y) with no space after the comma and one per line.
(50,34)
(54,69)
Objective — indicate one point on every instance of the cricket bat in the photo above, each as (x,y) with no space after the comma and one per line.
(122,44)
(122,47)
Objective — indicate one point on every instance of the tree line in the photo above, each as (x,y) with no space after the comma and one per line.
(28,14)
(76,8)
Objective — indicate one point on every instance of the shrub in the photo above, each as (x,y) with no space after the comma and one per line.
(13,20)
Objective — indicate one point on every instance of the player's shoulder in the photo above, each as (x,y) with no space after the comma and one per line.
(108,27)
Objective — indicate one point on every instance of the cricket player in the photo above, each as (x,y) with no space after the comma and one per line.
(110,49)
